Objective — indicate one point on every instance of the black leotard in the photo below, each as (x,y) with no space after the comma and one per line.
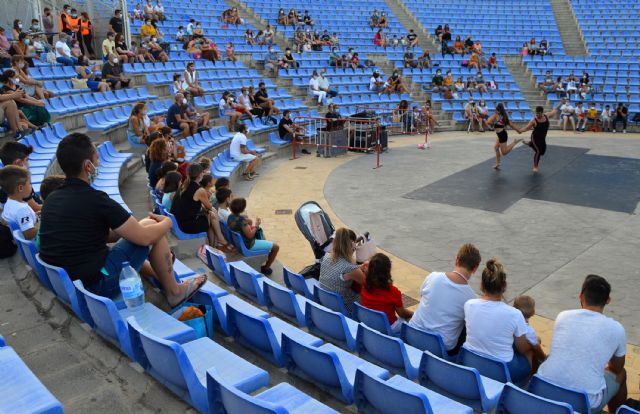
(538,139)
(502,135)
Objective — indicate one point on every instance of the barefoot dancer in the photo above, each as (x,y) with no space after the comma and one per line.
(430,123)
(540,126)
(500,121)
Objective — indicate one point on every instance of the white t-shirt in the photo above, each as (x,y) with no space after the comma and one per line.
(323,83)
(491,328)
(222,106)
(583,343)
(224,214)
(531,335)
(313,84)
(19,213)
(441,307)
(373,83)
(567,109)
(238,139)
(64,47)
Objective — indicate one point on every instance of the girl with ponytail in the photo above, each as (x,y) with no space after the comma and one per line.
(500,120)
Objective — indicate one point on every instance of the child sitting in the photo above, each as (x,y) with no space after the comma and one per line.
(172,181)
(380,294)
(582,119)
(16,182)
(592,117)
(527,305)
(605,116)
(223,196)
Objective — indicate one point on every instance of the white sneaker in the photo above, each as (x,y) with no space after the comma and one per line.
(624,131)
(614,131)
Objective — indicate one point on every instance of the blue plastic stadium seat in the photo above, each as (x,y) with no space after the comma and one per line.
(239,243)
(400,395)
(218,265)
(27,249)
(20,390)
(462,384)
(180,234)
(626,410)
(220,308)
(299,284)
(183,368)
(331,325)
(424,341)
(327,367)
(374,319)
(579,400)
(515,400)
(247,281)
(388,352)
(284,301)
(264,335)
(486,365)
(110,321)
(65,291)
(283,398)
(330,300)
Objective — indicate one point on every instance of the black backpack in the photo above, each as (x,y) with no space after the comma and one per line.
(7,244)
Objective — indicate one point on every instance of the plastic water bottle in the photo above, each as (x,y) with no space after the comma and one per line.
(131,287)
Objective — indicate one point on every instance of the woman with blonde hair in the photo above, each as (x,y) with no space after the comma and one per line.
(338,270)
(496,329)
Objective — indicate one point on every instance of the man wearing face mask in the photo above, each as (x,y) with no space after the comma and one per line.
(271,61)
(78,222)
(112,73)
(177,117)
(262,99)
(64,22)
(116,24)
(74,23)
(147,30)
(63,53)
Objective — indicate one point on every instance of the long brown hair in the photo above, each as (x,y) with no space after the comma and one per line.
(193,172)
(379,272)
(343,245)
(158,150)
(494,278)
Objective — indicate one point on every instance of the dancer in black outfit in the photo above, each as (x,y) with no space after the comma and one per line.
(540,126)
(500,121)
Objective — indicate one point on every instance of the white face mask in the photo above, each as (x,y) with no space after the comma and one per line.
(21,65)
(153,39)
(115,60)
(16,81)
(20,26)
(184,101)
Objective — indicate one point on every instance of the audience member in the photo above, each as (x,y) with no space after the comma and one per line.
(437,82)
(32,87)
(239,151)
(622,113)
(108,45)
(231,16)
(339,272)
(113,74)
(409,59)
(527,305)
(191,82)
(172,181)
(158,154)
(588,349)
(383,21)
(376,83)
(412,38)
(33,109)
(16,182)
(314,89)
(606,118)
(252,234)
(223,197)
(286,128)
(161,173)
(567,112)
(116,23)
(263,101)
(226,108)
(495,328)
(325,86)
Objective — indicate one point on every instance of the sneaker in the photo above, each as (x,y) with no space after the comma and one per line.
(248,178)
(624,131)
(305,151)
(266,270)
(18,135)
(614,131)
(254,173)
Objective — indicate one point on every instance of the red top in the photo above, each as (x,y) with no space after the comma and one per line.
(383,300)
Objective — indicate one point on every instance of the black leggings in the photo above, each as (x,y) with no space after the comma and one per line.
(539,147)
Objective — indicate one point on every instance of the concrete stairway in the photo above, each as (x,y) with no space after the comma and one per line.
(409,21)
(526,82)
(570,32)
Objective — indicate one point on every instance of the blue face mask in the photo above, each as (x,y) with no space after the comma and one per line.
(27,41)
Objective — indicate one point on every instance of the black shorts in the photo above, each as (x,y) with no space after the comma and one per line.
(199,225)
(503,136)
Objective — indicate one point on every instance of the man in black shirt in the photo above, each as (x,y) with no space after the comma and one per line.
(437,81)
(112,73)
(15,153)
(412,37)
(116,22)
(622,113)
(287,130)
(78,221)
(262,99)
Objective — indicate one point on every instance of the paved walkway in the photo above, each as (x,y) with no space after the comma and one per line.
(289,184)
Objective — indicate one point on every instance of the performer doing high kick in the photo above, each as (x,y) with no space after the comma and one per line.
(500,121)
(540,126)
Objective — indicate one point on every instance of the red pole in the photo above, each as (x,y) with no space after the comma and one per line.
(294,141)
(378,161)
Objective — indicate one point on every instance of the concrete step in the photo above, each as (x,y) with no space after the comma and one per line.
(569,29)
(525,82)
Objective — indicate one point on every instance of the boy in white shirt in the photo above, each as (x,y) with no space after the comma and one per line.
(16,181)
(606,119)
(224,197)
(527,305)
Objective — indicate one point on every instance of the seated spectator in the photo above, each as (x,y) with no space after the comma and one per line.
(403,42)
(457,46)
(13,118)
(282,18)
(177,117)
(122,50)
(137,13)
(63,53)
(307,19)
(17,154)
(543,48)
(622,113)
(394,84)
(180,34)
(271,61)
(471,115)
(158,154)
(483,114)
(149,13)
(459,85)
(379,39)
(286,129)
(425,60)
(113,74)
(438,33)
(170,186)
(16,182)
(198,30)
(161,173)
(585,92)
(588,349)
(480,83)
(251,234)
(226,108)
(582,117)
(496,329)
(547,84)
(32,87)
(606,118)
(190,26)
(412,38)
(383,22)
(231,53)
(224,197)
(380,294)
(493,62)
(33,109)
(178,85)
(468,44)
(244,102)
(193,211)
(290,60)
(335,40)
(191,81)
(314,89)
(338,270)
(5,46)
(78,220)
(448,81)
(584,80)
(567,113)
(231,16)
(263,101)
(525,50)
(409,59)
(136,128)
(373,20)
(527,306)
(22,47)
(158,53)
(292,18)
(446,33)
(325,86)
(437,82)
(558,87)
(148,30)
(470,84)
(267,35)
(17,29)
(376,83)
(239,151)
(474,61)
(141,52)
(220,183)
(158,9)
(572,85)
(336,60)
(249,37)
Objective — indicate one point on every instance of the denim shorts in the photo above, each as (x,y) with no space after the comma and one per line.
(611,389)
(261,245)
(519,368)
(122,251)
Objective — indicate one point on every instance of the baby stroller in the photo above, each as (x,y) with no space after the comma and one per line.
(317,228)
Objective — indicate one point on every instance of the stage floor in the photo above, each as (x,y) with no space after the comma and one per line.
(578,216)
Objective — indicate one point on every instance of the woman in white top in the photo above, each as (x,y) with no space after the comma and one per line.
(314,88)
(495,328)
(191,82)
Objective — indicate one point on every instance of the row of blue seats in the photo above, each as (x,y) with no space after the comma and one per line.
(112,163)
(598,65)
(52,72)
(63,87)
(150,67)
(491,105)
(516,116)
(206,75)
(109,118)
(44,143)
(499,96)
(89,101)
(369,99)
(572,59)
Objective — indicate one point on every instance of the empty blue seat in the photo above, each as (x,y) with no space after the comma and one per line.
(2,342)
(579,400)
(486,365)
(283,398)
(424,340)
(515,400)
(372,318)
(220,309)
(110,321)
(20,390)
(218,265)
(331,325)
(65,291)
(28,251)
(247,281)
(625,409)
(388,352)
(331,300)
(284,301)
(299,284)
(265,335)
(327,367)
(183,368)
(459,383)
(374,395)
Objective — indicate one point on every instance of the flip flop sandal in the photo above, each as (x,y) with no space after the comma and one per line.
(192,289)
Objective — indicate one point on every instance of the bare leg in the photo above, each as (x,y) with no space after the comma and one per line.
(506,148)
(621,396)
(214,220)
(496,148)
(272,255)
